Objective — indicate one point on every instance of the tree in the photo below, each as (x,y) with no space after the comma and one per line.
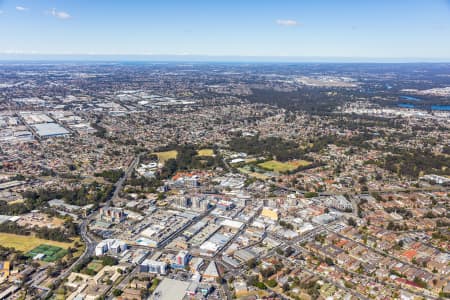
(251,263)
(351,222)
(329,261)
(390,225)
(271,283)
(267,272)
(362,180)
(261,285)
(311,194)
(109,261)
(420,282)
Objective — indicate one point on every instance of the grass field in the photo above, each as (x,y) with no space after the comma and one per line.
(27,243)
(16,201)
(253,174)
(95,265)
(205,152)
(52,253)
(166,155)
(281,167)
(155,283)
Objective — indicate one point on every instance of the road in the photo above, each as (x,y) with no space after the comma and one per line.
(88,252)
(119,184)
(89,241)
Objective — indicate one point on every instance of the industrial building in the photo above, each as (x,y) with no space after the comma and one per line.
(48,130)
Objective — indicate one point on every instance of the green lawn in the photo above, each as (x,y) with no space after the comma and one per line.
(155,283)
(282,167)
(95,265)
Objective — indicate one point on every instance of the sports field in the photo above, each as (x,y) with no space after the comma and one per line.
(26,243)
(281,167)
(166,155)
(52,253)
(205,152)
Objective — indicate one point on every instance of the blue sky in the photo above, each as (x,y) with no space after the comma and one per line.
(301,28)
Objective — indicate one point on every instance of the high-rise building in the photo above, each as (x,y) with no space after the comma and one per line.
(112,214)
(181,259)
(110,245)
(153,266)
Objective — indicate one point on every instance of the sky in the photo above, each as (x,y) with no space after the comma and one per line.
(341,29)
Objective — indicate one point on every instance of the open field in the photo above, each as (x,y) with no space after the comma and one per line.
(16,201)
(166,155)
(281,167)
(253,174)
(39,219)
(205,152)
(27,243)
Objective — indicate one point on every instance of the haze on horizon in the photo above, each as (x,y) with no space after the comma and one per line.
(323,30)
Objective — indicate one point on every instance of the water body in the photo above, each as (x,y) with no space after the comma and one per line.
(433,107)
(410,98)
(406,105)
(440,107)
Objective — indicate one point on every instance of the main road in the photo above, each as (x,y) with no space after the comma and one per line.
(119,184)
(89,241)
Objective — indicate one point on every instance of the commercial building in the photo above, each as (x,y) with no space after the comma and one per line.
(200,204)
(112,214)
(196,263)
(338,202)
(211,273)
(436,179)
(4,270)
(181,260)
(170,289)
(153,266)
(245,255)
(225,205)
(112,246)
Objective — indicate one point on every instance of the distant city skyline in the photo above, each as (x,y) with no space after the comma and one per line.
(323,30)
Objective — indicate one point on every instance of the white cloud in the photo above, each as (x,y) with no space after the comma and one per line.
(60,14)
(287,22)
(21,8)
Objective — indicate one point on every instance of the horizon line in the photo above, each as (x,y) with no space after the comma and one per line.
(213,58)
